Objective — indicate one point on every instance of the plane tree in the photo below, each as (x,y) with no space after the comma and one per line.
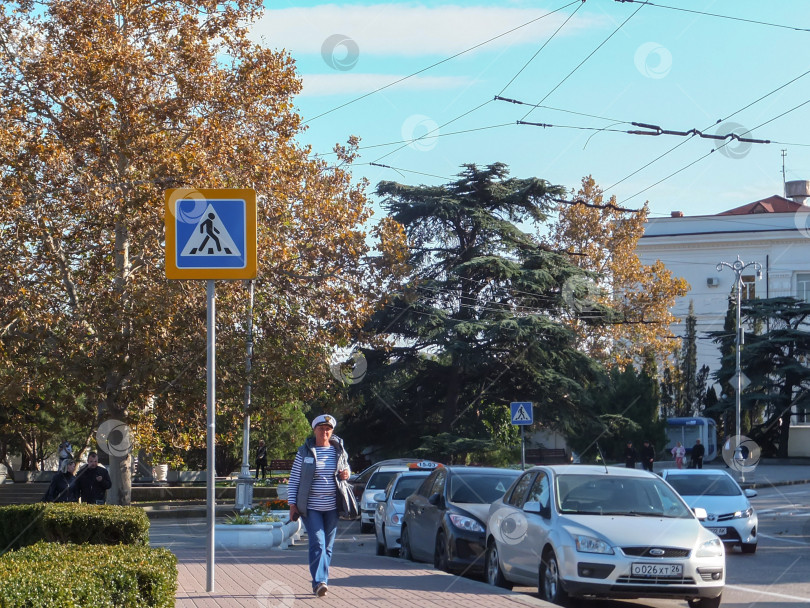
(105,105)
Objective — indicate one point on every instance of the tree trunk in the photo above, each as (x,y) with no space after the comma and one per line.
(783,433)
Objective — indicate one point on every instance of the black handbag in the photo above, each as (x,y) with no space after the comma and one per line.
(346,503)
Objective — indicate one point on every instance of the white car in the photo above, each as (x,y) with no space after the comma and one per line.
(730,514)
(377,483)
(390,509)
(596,531)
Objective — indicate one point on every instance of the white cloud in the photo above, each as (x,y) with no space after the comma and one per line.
(410,29)
(357,84)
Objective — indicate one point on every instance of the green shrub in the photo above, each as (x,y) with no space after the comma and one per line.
(23,525)
(54,575)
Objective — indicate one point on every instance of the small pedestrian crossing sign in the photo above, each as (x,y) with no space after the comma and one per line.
(210,234)
(522,412)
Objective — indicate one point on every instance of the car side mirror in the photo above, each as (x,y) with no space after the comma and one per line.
(379,497)
(749,493)
(435,499)
(533,506)
(700,513)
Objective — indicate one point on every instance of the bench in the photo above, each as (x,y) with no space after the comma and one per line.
(547,456)
(280,465)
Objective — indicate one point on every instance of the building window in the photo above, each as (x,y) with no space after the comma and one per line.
(803,286)
(749,283)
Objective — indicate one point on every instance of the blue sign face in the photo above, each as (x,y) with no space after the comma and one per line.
(522,412)
(210,233)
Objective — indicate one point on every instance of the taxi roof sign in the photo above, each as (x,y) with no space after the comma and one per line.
(210,233)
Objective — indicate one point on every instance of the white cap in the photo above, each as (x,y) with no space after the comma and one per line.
(324,419)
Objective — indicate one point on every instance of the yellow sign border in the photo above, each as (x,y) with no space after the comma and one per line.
(251,258)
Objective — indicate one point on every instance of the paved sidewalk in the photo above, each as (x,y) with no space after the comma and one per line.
(280,578)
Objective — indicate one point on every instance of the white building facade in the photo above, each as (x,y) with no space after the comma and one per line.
(774,232)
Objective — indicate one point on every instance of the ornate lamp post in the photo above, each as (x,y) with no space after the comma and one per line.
(738,266)
(244,483)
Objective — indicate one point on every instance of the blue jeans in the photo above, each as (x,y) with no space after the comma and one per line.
(321,531)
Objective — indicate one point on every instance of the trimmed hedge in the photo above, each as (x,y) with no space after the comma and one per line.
(23,525)
(53,575)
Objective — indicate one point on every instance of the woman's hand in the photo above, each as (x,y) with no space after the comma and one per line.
(294,513)
(344,474)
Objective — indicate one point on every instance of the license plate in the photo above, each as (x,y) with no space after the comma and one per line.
(664,570)
(718,531)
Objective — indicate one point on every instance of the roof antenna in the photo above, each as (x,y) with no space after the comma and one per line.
(602,456)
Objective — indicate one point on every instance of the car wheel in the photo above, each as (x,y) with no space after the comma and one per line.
(494,573)
(550,586)
(706,602)
(388,552)
(405,545)
(440,558)
(749,547)
(365,528)
(380,545)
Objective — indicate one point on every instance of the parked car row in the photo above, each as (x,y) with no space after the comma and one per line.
(569,530)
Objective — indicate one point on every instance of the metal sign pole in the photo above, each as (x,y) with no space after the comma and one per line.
(522,450)
(210,402)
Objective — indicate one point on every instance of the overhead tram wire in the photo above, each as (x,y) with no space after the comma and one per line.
(532,58)
(745,107)
(581,63)
(483,104)
(686,10)
(472,48)
(796,107)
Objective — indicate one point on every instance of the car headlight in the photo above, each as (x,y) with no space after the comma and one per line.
(589,544)
(711,548)
(744,514)
(466,523)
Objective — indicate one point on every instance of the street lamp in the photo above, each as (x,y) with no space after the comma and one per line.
(738,266)
(244,483)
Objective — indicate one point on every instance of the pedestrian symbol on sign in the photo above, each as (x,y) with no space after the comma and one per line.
(210,237)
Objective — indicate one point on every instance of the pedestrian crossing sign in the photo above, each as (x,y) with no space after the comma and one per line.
(522,412)
(210,233)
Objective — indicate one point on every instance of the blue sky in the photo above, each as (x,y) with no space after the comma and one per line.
(675,69)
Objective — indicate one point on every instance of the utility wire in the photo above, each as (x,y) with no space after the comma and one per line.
(745,107)
(472,48)
(581,4)
(686,10)
(581,63)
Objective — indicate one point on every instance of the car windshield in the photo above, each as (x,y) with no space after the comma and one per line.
(475,487)
(704,485)
(380,479)
(407,486)
(618,495)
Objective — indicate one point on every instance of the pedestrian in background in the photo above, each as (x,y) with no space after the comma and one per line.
(261,459)
(647,456)
(65,452)
(698,452)
(630,456)
(63,485)
(313,495)
(678,452)
(93,481)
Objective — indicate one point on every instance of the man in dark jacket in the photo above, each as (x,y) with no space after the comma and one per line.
(630,456)
(261,459)
(698,452)
(63,485)
(93,481)
(647,456)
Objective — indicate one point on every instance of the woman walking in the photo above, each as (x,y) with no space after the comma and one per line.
(679,453)
(313,494)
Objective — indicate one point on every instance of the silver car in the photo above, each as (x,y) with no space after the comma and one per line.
(590,531)
(730,514)
(390,509)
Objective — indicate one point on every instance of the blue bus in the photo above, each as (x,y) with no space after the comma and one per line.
(688,429)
